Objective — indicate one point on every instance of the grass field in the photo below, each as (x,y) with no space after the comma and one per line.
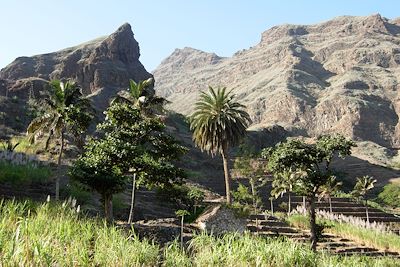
(56,235)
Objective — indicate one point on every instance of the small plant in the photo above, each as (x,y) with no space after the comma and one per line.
(361,188)
(9,146)
(182,214)
(196,195)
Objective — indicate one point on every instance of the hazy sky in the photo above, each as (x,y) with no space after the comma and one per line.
(30,27)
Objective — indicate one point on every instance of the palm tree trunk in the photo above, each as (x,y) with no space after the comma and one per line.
(227,178)
(132,198)
(108,207)
(366,210)
(59,167)
(330,204)
(313,228)
(290,202)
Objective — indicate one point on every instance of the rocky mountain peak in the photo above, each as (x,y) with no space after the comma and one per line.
(104,62)
(340,75)
(102,67)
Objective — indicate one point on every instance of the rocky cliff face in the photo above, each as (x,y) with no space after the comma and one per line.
(102,67)
(337,76)
(107,62)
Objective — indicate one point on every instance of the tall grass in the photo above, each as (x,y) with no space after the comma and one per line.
(23,174)
(53,235)
(248,250)
(56,235)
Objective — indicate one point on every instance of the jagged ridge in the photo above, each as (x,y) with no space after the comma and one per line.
(337,76)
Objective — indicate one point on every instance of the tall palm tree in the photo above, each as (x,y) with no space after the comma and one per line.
(63,102)
(218,123)
(331,186)
(361,188)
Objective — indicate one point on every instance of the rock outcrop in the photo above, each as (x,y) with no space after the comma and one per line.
(337,76)
(102,67)
(101,63)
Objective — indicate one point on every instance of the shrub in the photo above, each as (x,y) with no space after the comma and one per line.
(390,195)
(23,174)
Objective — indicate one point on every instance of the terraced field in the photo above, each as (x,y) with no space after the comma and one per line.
(267,225)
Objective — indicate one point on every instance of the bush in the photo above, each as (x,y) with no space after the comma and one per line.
(390,195)
(23,174)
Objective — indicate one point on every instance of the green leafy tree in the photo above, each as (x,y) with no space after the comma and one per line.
(63,107)
(247,165)
(131,145)
(311,165)
(361,188)
(218,123)
(331,186)
(140,96)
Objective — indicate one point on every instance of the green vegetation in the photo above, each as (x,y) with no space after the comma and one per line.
(370,237)
(361,188)
(55,235)
(131,145)
(64,110)
(248,166)
(23,174)
(248,250)
(390,195)
(307,168)
(218,123)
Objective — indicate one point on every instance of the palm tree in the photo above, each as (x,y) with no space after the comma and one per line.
(63,100)
(284,184)
(141,98)
(361,188)
(218,123)
(331,186)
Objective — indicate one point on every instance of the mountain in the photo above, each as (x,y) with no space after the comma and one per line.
(340,76)
(102,67)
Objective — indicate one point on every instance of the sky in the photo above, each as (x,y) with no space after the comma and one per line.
(29,27)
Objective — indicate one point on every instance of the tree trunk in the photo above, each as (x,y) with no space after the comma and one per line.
(227,177)
(290,202)
(59,167)
(108,208)
(253,193)
(182,232)
(366,210)
(313,227)
(330,204)
(272,206)
(132,199)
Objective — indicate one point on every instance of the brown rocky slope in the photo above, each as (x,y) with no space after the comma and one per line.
(102,67)
(337,76)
